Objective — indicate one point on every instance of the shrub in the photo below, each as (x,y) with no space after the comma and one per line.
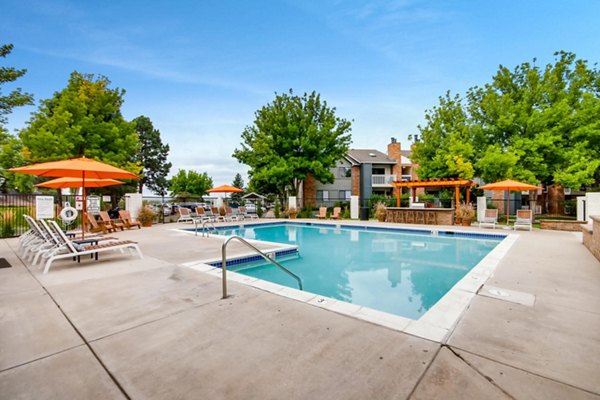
(259,209)
(380,211)
(465,212)
(346,213)
(277,210)
(146,215)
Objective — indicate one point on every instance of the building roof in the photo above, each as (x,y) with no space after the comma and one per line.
(406,153)
(253,195)
(369,156)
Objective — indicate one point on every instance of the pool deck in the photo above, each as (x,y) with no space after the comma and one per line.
(155,328)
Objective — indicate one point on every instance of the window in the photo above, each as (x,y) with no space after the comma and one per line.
(345,194)
(322,195)
(344,172)
(378,171)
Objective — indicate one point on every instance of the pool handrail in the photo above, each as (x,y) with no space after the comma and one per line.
(263,255)
(204,227)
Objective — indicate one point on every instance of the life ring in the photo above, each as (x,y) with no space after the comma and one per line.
(68,214)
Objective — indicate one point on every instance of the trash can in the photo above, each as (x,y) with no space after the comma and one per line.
(364,213)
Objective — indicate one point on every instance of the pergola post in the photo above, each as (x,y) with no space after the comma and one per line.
(457,195)
(398,196)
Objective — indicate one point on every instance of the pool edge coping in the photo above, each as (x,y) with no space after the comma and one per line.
(436,324)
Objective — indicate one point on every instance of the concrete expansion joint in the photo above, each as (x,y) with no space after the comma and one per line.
(516,368)
(486,377)
(42,358)
(410,395)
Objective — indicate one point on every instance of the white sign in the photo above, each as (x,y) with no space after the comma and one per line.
(44,207)
(93,204)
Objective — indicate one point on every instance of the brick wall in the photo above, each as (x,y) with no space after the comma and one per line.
(571,226)
(591,236)
(310,191)
(355,180)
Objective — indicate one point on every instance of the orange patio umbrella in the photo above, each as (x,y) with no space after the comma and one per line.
(80,168)
(63,183)
(225,189)
(508,185)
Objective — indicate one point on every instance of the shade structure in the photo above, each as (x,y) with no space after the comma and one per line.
(76,168)
(225,189)
(63,183)
(82,168)
(509,184)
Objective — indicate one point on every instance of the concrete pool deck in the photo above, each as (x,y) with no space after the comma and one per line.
(152,328)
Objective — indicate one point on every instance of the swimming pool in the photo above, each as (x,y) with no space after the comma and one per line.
(403,272)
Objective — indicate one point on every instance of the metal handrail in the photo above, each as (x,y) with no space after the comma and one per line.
(263,255)
(204,228)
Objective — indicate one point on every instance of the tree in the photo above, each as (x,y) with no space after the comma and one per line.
(191,182)
(292,137)
(531,124)
(238,182)
(152,156)
(84,119)
(10,147)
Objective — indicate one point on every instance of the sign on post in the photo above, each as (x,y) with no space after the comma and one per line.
(44,207)
(79,203)
(93,204)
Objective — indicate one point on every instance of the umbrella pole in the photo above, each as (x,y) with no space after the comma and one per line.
(83,215)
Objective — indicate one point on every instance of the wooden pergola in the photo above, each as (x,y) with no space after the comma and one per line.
(456,183)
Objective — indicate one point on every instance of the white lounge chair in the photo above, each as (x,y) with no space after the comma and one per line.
(524,219)
(68,248)
(490,218)
(185,215)
(246,214)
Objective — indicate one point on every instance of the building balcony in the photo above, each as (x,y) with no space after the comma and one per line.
(382,180)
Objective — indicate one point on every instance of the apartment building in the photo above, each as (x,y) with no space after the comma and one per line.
(362,172)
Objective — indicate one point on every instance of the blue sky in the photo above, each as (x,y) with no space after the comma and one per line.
(200,69)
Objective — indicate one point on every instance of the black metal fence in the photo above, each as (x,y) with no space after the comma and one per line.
(14,206)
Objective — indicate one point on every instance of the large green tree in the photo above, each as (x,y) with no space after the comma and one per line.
(530,123)
(190,182)
(292,137)
(238,182)
(84,119)
(10,146)
(153,157)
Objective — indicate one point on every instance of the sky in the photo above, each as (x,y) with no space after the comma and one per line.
(200,69)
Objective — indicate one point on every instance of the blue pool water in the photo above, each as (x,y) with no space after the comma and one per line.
(398,272)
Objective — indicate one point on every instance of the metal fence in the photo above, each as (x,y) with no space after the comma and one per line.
(14,206)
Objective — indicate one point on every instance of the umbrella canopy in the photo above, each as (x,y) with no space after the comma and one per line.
(76,168)
(81,168)
(225,189)
(508,184)
(61,183)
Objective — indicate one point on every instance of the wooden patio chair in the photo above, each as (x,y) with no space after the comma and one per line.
(337,213)
(128,221)
(98,226)
(115,223)
(322,213)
